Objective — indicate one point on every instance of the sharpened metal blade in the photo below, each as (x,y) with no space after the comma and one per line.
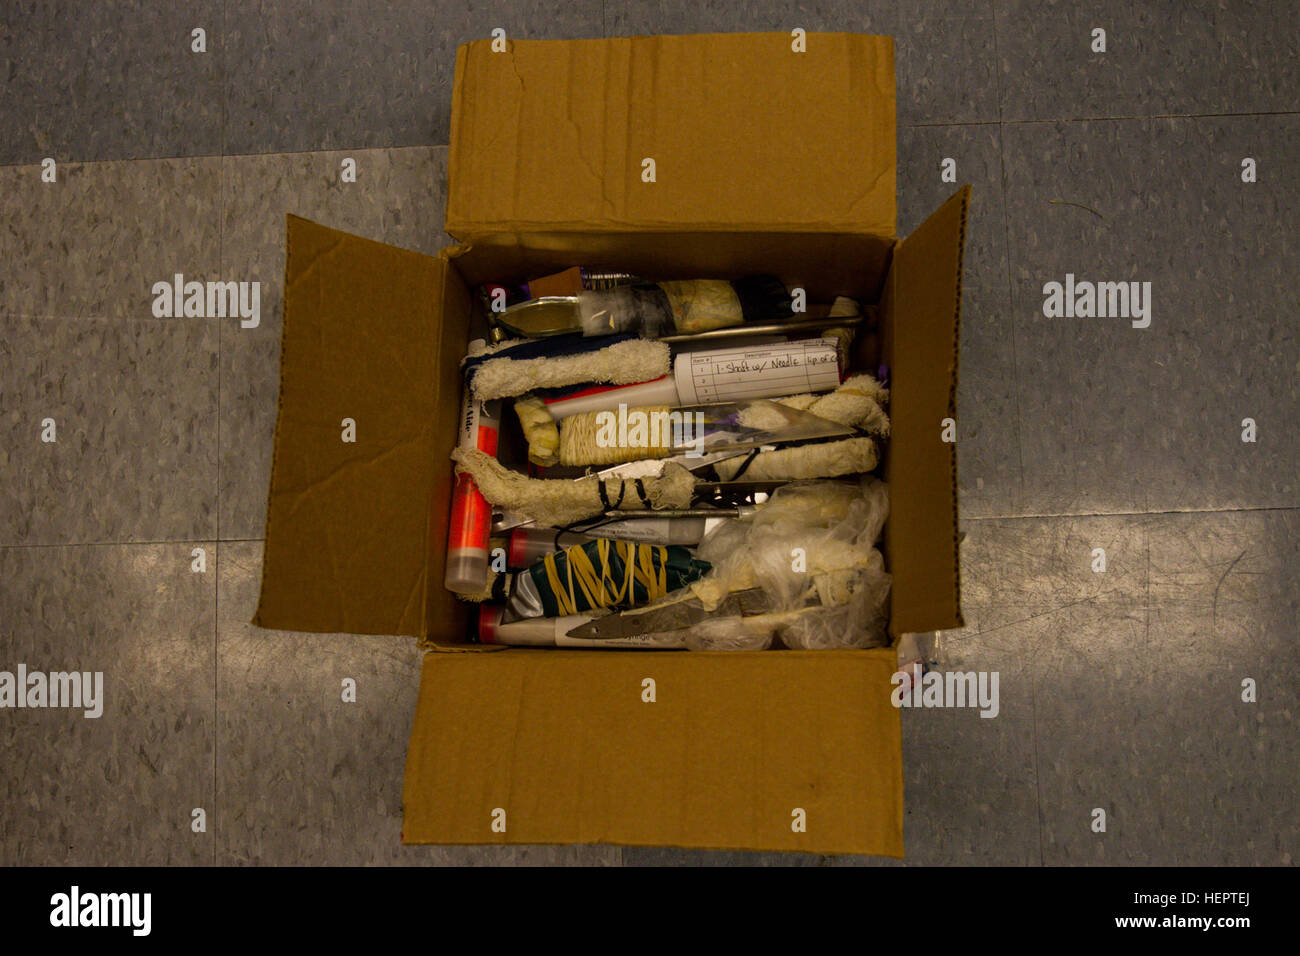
(743,488)
(653,467)
(675,617)
(767,328)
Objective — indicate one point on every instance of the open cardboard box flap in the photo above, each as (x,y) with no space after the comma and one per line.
(563,741)
(744,133)
(733,745)
(921,321)
(347,525)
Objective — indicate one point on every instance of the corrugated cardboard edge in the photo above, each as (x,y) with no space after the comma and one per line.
(915,318)
(965,194)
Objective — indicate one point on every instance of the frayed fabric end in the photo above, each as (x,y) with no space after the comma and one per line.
(557,502)
(623,363)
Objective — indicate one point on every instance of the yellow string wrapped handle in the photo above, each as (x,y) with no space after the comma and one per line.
(596,585)
(595,438)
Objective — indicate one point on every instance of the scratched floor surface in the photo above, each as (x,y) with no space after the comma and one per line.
(1119,689)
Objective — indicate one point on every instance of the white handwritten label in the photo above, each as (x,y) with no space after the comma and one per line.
(764,371)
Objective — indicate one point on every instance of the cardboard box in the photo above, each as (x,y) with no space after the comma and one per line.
(765,160)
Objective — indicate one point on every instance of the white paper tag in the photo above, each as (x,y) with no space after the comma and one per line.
(763,371)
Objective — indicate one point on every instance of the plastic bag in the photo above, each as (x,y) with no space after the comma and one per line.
(811,549)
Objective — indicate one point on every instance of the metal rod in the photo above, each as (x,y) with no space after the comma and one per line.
(767,328)
(741,511)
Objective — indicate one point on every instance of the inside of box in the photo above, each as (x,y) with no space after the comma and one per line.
(826,265)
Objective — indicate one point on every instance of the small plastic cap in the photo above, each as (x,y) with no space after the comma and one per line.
(515,557)
(489,616)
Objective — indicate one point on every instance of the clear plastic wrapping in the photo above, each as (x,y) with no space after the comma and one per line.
(811,549)
(633,309)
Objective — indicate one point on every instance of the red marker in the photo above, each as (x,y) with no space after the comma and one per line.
(471,515)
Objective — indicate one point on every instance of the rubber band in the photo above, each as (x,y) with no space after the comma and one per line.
(644,567)
(745,464)
(604,495)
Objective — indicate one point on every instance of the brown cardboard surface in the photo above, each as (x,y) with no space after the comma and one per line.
(922,312)
(445,615)
(734,743)
(347,525)
(824,264)
(745,134)
(568,282)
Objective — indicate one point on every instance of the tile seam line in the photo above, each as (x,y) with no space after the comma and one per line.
(1097,119)
(222,64)
(126,544)
(1020,435)
(105,317)
(271,152)
(1132,514)
(1011,301)
(1152,116)
(919,125)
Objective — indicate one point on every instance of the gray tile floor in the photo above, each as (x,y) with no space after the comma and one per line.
(1120,690)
